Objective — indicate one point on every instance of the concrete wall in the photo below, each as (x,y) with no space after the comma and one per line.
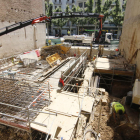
(24,39)
(130,38)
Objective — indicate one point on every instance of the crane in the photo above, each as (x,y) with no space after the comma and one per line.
(20,25)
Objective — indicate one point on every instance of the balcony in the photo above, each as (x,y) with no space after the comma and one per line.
(57,2)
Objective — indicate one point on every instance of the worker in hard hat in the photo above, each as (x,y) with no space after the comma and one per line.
(117,109)
(68,32)
(49,41)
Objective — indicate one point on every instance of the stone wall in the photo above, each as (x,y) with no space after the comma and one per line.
(24,39)
(130,38)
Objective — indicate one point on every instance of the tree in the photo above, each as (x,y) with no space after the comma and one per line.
(99,7)
(68,10)
(49,11)
(89,8)
(102,10)
(117,15)
(73,20)
(80,20)
(105,9)
(59,22)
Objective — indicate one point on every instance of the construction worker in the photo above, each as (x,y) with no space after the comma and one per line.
(117,109)
(68,32)
(49,41)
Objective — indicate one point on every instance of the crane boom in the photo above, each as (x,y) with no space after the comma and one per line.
(20,25)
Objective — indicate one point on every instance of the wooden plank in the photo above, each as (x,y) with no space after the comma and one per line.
(53,122)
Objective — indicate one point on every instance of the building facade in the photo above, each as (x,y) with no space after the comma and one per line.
(82,4)
(24,39)
(130,42)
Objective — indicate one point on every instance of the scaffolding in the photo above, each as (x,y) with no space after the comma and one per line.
(20,102)
(108,75)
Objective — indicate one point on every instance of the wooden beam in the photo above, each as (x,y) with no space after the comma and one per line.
(115,72)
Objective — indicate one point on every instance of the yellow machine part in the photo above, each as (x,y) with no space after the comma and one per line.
(64,49)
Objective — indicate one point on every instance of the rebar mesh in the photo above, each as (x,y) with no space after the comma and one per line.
(21,94)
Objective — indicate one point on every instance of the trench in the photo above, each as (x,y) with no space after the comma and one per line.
(117,86)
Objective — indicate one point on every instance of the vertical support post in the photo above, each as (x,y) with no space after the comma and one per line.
(29,124)
(78,95)
(99,116)
(49,92)
(48,33)
(90,51)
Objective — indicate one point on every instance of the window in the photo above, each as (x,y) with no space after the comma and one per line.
(95,3)
(55,0)
(109,36)
(55,7)
(59,1)
(80,4)
(73,1)
(85,5)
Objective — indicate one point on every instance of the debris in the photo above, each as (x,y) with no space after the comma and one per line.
(104,102)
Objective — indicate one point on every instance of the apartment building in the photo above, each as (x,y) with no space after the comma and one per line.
(107,27)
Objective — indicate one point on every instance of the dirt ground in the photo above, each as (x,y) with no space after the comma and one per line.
(107,130)
(110,131)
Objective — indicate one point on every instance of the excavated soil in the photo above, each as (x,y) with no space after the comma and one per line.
(110,130)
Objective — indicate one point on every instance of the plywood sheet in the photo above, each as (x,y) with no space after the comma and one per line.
(66,123)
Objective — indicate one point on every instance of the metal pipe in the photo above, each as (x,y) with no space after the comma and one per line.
(49,92)
(72,73)
(28,113)
(76,76)
(13,117)
(29,109)
(36,98)
(50,128)
(81,86)
(41,124)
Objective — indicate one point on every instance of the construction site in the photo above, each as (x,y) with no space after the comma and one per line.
(62,91)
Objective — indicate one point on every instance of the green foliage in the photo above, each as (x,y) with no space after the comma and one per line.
(117,15)
(74,20)
(124,7)
(67,10)
(89,8)
(49,9)
(105,9)
(59,22)
(99,7)
(80,20)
